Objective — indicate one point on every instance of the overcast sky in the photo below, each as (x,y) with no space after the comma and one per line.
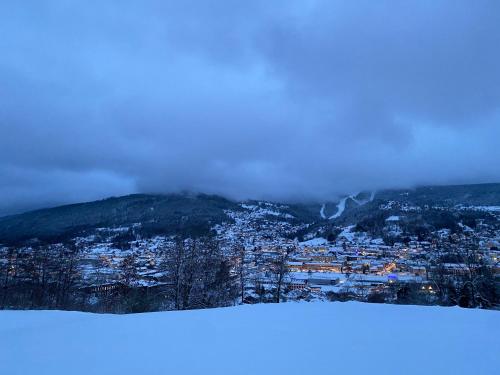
(290,99)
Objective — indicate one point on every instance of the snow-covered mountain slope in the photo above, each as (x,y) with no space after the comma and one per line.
(358,198)
(340,207)
(293,338)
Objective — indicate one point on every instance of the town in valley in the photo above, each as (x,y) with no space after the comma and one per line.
(260,252)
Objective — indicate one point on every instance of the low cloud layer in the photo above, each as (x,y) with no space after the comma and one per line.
(279,100)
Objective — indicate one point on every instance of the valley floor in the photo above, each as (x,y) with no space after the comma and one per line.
(292,338)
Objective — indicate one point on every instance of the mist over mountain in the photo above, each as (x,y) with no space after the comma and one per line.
(189,214)
(289,100)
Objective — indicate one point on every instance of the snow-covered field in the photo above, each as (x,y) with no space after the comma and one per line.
(293,338)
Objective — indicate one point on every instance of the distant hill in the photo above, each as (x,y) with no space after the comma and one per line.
(170,214)
(475,195)
(190,214)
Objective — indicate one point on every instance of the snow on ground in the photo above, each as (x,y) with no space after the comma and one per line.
(340,207)
(259,212)
(322,211)
(317,241)
(372,196)
(479,208)
(392,218)
(293,338)
(347,233)
(342,204)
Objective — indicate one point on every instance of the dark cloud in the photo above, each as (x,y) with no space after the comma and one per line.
(281,100)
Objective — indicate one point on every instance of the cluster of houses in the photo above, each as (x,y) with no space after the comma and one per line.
(353,262)
(357,263)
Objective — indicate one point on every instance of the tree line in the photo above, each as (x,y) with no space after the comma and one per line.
(194,274)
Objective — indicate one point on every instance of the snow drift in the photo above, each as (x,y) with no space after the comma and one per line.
(293,338)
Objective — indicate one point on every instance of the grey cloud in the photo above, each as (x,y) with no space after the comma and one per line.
(281,100)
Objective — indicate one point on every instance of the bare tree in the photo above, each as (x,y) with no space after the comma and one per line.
(241,270)
(128,270)
(279,270)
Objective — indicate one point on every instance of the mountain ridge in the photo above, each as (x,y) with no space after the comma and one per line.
(195,214)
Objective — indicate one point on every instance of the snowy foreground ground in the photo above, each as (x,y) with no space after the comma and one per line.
(293,338)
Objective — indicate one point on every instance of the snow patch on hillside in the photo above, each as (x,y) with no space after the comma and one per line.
(322,211)
(314,242)
(260,212)
(479,208)
(340,207)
